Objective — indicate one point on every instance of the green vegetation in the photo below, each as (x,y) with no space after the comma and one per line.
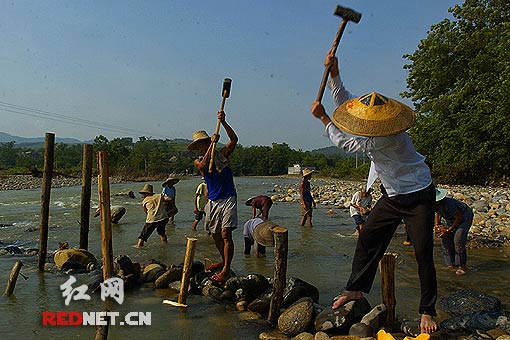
(157,158)
(459,81)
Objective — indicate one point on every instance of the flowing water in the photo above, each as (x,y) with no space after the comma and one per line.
(321,256)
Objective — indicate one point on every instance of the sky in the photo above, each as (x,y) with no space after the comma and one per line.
(124,68)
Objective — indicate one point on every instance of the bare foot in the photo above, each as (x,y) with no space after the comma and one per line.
(427,324)
(346,296)
(137,246)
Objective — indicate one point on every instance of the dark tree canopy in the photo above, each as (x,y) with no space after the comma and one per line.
(459,81)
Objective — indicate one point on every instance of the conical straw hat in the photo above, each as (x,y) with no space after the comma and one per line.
(373,115)
(263,234)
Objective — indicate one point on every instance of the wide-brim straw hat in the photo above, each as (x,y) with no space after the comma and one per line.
(440,194)
(306,172)
(263,234)
(147,189)
(198,136)
(171,181)
(373,115)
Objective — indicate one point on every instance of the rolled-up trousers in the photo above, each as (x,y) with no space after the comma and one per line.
(417,211)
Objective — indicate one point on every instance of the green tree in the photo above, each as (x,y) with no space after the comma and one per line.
(459,81)
(8,155)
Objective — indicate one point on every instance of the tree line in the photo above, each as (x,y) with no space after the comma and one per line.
(156,158)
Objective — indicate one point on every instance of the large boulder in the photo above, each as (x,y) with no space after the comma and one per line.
(171,275)
(152,272)
(297,318)
(79,255)
(296,289)
(342,318)
(467,301)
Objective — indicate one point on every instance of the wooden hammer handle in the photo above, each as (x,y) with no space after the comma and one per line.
(333,49)
(218,124)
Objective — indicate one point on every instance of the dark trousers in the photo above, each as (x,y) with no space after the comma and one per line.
(417,211)
(148,228)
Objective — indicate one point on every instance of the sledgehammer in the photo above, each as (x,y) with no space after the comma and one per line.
(225,93)
(346,14)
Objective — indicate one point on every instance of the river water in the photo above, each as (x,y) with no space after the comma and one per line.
(321,256)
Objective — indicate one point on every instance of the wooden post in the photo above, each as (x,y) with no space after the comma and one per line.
(49,153)
(86,182)
(186,271)
(387,267)
(13,278)
(106,218)
(281,239)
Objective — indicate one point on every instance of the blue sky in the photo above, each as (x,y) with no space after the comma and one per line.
(156,68)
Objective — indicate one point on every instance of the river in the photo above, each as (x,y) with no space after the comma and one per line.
(321,256)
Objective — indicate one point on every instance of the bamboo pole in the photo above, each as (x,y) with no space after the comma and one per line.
(106,218)
(387,267)
(49,152)
(280,271)
(86,183)
(186,271)
(11,283)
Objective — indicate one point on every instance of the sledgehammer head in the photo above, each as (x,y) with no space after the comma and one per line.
(348,14)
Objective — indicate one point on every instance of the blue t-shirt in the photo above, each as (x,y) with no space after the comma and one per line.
(220,185)
(169,191)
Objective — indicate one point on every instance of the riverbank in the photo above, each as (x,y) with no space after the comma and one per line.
(491,205)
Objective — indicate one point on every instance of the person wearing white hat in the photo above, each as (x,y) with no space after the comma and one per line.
(376,125)
(459,217)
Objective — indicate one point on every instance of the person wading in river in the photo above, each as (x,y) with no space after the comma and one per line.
(376,125)
(221,209)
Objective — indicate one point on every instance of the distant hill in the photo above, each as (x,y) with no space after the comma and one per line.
(5,137)
(330,151)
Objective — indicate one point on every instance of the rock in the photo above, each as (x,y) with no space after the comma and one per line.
(80,255)
(361,330)
(260,306)
(468,301)
(496,333)
(212,292)
(503,337)
(249,316)
(342,318)
(242,306)
(117,212)
(297,318)
(171,275)
(321,336)
(478,321)
(152,272)
(254,285)
(297,289)
(373,319)
(273,335)
(304,336)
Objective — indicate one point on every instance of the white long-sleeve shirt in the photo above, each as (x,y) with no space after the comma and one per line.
(395,161)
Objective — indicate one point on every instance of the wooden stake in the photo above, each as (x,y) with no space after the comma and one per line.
(186,271)
(280,272)
(387,267)
(106,218)
(49,152)
(13,278)
(86,183)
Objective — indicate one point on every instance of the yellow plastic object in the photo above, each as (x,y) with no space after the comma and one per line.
(422,336)
(382,335)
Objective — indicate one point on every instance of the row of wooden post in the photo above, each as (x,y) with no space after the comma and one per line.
(387,265)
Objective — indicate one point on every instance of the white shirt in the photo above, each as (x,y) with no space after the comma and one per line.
(362,201)
(395,161)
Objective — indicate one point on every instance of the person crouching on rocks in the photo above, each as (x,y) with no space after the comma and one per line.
(157,218)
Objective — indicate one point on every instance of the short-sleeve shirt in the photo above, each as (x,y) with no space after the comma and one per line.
(364,202)
(155,208)
(201,196)
(448,207)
